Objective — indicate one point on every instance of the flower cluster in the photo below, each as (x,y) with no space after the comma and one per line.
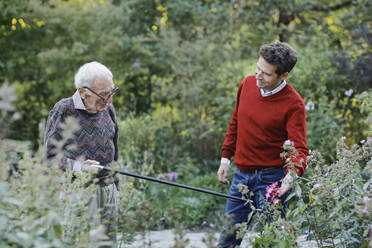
(288,145)
(272,193)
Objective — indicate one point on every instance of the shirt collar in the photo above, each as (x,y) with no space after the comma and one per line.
(274,91)
(78,102)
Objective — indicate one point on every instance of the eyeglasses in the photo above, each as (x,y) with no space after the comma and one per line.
(106,97)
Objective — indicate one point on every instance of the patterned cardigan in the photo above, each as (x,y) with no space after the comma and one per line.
(97,138)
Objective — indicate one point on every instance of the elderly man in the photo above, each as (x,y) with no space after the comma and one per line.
(96,142)
(268,113)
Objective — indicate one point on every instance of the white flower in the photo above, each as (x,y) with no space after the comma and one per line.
(316,186)
(309,106)
(288,143)
(16,116)
(348,93)
(364,94)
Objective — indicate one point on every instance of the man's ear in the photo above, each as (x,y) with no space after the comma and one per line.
(83,93)
(284,76)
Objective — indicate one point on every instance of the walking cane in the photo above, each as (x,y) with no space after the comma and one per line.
(170,183)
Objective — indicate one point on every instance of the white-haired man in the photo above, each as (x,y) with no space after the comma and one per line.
(96,142)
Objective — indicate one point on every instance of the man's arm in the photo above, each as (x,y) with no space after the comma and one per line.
(53,136)
(116,136)
(296,129)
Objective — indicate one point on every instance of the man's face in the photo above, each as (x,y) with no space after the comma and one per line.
(266,78)
(94,103)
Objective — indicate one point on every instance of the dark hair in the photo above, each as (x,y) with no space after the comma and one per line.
(280,54)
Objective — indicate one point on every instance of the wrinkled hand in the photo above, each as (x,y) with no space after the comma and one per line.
(223,172)
(286,184)
(87,166)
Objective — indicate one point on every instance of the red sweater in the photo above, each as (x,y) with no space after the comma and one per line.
(260,125)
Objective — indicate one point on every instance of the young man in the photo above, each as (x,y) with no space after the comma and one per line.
(268,112)
(96,143)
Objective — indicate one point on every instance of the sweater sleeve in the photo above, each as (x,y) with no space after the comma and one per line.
(116,136)
(296,129)
(229,144)
(53,134)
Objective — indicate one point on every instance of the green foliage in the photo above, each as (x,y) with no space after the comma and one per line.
(192,209)
(343,192)
(7,110)
(331,204)
(158,206)
(324,127)
(178,65)
(276,236)
(36,205)
(175,53)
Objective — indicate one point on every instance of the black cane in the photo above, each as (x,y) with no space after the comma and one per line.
(170,183)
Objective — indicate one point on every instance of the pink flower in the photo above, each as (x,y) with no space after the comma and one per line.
(316,185)
(274,184)
(267,195)
(173,176)
(365,210)
(269,190)
(273,193)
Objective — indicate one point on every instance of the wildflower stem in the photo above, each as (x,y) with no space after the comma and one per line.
(317,235)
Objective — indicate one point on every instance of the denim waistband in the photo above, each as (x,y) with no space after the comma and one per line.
(255,170)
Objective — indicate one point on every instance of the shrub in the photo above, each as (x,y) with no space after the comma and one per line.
(332,202)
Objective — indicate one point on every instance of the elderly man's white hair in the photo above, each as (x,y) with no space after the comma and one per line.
(88,72)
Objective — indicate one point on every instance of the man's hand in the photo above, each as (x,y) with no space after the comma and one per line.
(223,172)
(87,166)
(286,184)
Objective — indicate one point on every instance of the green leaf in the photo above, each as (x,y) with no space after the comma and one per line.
(303,208)
(58,230)
(298,190)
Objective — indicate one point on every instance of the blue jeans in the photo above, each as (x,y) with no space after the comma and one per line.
(237,210)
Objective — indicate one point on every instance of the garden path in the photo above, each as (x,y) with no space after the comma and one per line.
(166,239)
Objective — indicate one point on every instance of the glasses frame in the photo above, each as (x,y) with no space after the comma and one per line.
(103,98)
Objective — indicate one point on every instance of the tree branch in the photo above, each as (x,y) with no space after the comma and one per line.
(331,8)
